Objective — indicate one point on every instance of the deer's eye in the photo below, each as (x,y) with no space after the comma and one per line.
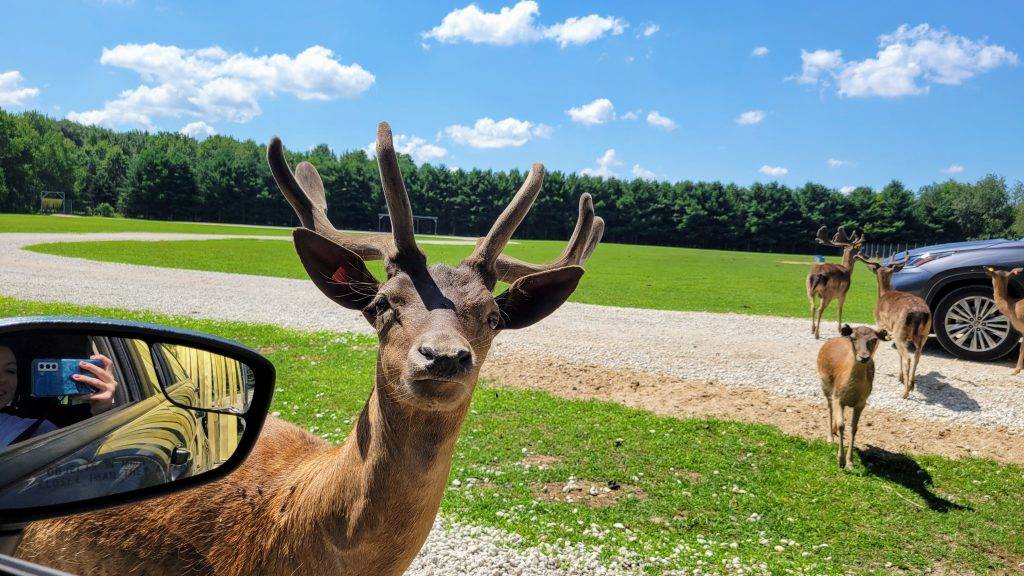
(494,320)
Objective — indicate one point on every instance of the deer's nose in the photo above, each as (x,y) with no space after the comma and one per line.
(447,359)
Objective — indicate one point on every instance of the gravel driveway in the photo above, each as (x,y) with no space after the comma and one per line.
(770,353)
(774,354)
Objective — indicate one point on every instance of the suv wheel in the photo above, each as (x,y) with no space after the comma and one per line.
(969,326)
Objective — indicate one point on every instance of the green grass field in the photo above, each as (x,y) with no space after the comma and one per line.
(713,490)
(82,224)
(617,275)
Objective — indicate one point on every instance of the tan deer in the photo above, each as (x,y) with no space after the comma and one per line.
(846,366)
(832,281)
(300,505)
(1012,308)
(906,316)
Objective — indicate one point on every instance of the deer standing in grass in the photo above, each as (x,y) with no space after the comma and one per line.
(906,316)
(299,505)
(832,281)
(846,366)
(1012,308)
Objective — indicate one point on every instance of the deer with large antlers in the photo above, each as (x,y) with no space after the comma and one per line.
(906,316)
(832,281)
(1012,308)
(300,505)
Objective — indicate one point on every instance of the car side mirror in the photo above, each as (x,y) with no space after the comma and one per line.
(97,413)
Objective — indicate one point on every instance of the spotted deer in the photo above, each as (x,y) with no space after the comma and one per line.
(846,366)
(1012,308)
(906,316)
(300,505)
(832,281)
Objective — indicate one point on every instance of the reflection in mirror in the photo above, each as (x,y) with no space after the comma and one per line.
(205,380)
(86,416)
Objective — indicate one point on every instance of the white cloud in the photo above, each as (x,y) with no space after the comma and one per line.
(211,84)
(486,133)
(953,169)
(518,25)
(643,173)
(837,163)
(817,63)
(759,52)
(631,115)
(198,130)
(751,117)
(907,63)
(604,165)
(773,171)
(654,118)
(420,150)
(650,30)
(584,30)
(847,189)
(597,112)
(12,93)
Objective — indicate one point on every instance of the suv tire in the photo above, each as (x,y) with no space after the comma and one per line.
(968,301)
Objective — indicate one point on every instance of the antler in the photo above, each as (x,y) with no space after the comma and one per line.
(584,240)
(494,266)
(840,240)
(304,190)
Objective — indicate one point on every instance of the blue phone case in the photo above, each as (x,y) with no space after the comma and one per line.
(52,377)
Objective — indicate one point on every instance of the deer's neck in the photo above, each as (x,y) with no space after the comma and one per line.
(389,476)
(1001,293)
(848,261)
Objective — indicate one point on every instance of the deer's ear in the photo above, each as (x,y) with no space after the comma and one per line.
(883,335)
(531,298)
(1016,271)
(336,270)
(846,330)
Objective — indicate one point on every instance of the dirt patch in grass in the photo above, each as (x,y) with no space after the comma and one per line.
(589,493)
(540,461)
(669,396)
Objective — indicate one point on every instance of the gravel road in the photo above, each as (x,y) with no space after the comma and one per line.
(773,354)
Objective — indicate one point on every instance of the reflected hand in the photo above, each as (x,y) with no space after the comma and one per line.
(103,381)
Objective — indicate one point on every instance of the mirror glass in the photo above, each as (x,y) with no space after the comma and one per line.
(206,380)
(88,416)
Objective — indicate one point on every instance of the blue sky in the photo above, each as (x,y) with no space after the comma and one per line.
(919,91)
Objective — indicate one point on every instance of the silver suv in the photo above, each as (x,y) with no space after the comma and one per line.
(951,279)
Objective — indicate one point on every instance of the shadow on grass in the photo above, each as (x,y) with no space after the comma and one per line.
(905,471)
(937,390)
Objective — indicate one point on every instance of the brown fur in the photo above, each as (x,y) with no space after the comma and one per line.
(847,369)
(299,505)
(907,318)
(831,281)
(1012,308)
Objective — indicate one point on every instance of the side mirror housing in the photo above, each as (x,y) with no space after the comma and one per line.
(184,409)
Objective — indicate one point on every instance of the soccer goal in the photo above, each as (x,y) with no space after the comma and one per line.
(419,223)
(52,202)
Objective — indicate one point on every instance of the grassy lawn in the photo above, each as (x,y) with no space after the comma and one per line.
(83,224)
(618,274)
(711,490)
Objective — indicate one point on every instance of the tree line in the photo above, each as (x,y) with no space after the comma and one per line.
(169,176)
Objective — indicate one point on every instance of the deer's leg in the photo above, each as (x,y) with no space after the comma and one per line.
(901,348)
(839,427)
(814,307)
(831,421)
(840,301)
(1020,361)
(825,300)
(913,365)
(854,419)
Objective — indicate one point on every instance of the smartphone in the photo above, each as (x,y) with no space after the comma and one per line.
(53,377)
